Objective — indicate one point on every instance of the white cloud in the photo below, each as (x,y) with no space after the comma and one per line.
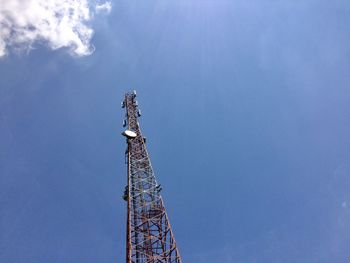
(105,7)
(57,23)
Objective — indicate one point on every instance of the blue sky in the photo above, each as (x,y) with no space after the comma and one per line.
(246,112)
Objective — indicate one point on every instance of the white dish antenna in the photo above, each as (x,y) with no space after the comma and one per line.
(129,134)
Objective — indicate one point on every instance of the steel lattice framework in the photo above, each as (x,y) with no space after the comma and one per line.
(149,235)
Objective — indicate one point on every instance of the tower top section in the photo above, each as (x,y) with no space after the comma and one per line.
(132,113)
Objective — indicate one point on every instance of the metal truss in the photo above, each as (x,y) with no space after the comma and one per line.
(149,235)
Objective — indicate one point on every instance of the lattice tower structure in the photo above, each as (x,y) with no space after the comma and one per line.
(149,235)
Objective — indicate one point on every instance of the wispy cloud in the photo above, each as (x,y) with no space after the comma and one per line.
(105,7)
(57,23)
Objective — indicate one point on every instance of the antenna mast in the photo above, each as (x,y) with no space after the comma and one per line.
(149,235)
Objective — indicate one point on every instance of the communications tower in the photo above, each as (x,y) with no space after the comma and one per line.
(149,235)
